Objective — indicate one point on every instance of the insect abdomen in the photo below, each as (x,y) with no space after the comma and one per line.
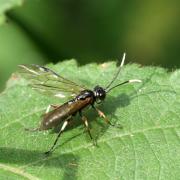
(54,117)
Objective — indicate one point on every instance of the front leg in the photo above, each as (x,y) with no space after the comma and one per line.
(101,114)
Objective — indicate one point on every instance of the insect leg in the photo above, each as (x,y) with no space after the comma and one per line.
(47,110)
(86,124)
(84,119)
(66,122)
(51,106)
(32,129)
(101,114)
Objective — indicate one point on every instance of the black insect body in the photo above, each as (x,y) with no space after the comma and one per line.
(48,81)
(67,110)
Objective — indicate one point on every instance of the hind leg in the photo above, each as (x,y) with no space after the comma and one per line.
(32,129)
(65,123)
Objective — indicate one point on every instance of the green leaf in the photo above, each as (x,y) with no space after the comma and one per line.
(6,5)
(147,147)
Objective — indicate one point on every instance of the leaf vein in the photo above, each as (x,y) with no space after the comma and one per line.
(18,171)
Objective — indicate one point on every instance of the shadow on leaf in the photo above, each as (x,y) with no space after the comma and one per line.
(25,158)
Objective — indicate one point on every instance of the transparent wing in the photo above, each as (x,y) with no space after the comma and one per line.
(49,82)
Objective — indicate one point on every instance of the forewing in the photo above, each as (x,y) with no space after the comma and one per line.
(49,82)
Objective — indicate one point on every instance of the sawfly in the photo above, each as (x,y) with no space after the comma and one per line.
(48,81)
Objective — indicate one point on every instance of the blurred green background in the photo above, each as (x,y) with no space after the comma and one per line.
(42,31)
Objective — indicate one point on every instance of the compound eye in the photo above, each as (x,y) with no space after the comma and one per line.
(102,95)
(99,93)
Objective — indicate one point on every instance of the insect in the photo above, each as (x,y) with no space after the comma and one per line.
(48,81)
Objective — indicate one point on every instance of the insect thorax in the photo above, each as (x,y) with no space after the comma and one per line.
(97,95)
(85,94)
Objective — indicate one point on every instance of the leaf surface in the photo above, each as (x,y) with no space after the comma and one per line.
(147,147)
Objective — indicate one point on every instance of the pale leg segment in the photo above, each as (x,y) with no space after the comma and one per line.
(66,122)
(101,114)
(86,124)
(47,110)
(54,106)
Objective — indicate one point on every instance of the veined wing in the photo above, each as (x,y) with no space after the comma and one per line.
(49,82)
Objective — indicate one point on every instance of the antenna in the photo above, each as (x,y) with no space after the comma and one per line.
(116,75)
(125,82)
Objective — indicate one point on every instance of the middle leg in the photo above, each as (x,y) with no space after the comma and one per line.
(86,124)
(54,106)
